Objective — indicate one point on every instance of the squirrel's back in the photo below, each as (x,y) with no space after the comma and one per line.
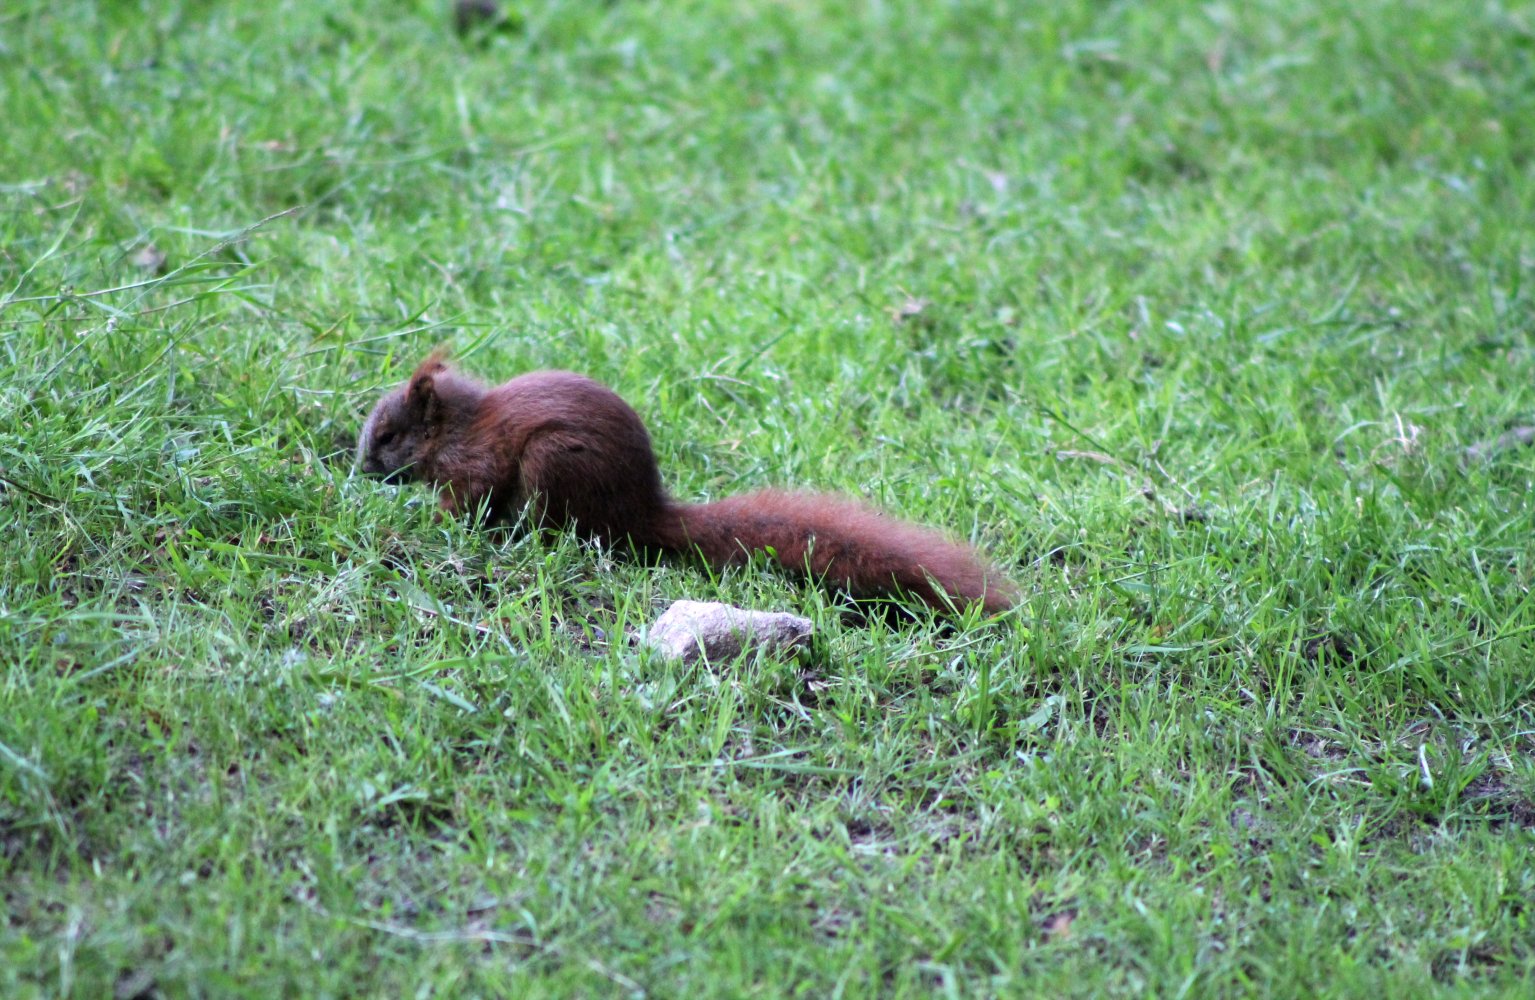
(573,446)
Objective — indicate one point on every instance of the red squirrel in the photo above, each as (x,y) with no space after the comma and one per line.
(572,453)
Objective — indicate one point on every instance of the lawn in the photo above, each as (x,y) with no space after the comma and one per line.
(1209,322)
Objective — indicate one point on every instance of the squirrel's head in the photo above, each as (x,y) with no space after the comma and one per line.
(397,438)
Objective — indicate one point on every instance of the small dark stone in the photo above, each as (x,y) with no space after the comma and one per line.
(471,14)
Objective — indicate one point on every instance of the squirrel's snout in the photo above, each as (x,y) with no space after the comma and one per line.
(371,465)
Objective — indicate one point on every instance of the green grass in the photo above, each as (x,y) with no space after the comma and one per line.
(1186,313)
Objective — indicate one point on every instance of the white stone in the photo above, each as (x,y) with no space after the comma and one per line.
(689,630)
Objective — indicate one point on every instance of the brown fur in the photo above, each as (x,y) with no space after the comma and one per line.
(578,457)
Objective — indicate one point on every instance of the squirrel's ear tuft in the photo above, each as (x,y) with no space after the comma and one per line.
(437,361)
(422,391)
(435,364)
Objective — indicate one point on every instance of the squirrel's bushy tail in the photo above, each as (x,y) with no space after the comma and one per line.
(843,542)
